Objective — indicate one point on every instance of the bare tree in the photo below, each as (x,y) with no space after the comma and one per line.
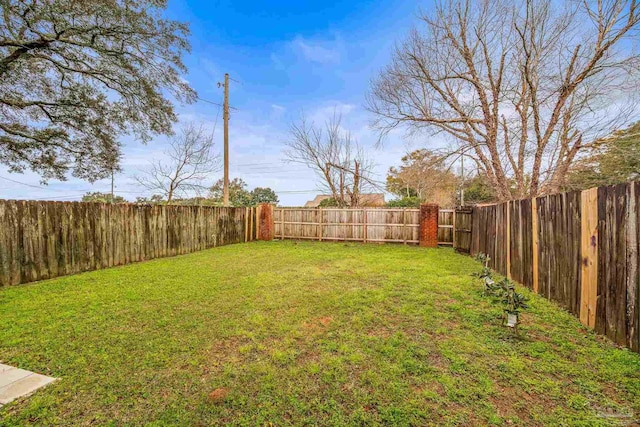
(332,153)
(522,87)
(190,161)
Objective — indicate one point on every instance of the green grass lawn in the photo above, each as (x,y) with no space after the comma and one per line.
(304,333)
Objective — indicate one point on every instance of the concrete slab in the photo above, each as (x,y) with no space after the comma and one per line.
(5,368)
(15,383)
(11,375)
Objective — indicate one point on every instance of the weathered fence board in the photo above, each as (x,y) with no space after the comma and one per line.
(462,229)
(521,242)
(580,249)
(41,240)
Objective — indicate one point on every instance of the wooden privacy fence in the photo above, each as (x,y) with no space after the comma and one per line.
(380,225)
(579,249)
(41,240)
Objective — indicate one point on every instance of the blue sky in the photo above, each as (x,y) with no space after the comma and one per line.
(287,57)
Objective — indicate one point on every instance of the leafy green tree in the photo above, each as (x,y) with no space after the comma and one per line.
(156,199)
(239,195)
(76,75)
(329,203)
(99,197)
(405,202)
(263,195)
(195,201)
(612,160)
(478,190)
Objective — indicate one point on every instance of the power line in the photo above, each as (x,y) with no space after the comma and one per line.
(23,183)
(295,191)
(216,121)
(215,103)
(276,170)
(262,164)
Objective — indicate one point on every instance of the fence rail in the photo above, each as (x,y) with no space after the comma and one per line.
(379,225)
(41,240)
(579,249)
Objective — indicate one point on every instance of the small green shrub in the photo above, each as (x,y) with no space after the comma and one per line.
(503,290)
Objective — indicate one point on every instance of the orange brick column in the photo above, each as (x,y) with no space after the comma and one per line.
(266,226)
(429,225)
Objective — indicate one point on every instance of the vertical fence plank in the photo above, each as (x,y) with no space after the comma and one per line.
(634,333)
(632,267)
(589,249)
(620,259)
(364,225)
(508,239)
(536,245)
(4,256)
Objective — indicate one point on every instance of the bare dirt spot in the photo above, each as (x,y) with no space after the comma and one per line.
(505,397)
(325,321)
(218,395)
(318,325)
(437,360)
(381,332)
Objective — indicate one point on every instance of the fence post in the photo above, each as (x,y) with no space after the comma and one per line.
(246,224)
(534,241)
(508,240)
(453,234)
(364,225)
(282,211)
(429,225)
(265,221)
(404,225)
(589,251)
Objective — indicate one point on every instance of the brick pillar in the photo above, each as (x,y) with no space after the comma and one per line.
(266,226)
(429,225)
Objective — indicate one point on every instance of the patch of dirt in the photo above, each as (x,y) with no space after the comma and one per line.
(222,352)
(218,395)
(538,336)
(503,401)
(325,321)
(437,360)
(381,332)
(317,325)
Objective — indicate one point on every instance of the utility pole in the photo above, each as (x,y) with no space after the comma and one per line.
(225,116)
(462,186)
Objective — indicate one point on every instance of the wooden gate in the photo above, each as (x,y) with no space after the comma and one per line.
(462,229)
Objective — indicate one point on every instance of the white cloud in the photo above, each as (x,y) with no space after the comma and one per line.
(328,110)
(323,52)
